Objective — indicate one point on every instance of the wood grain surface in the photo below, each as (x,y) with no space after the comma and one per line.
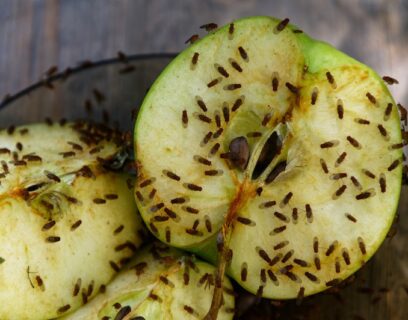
(37,34)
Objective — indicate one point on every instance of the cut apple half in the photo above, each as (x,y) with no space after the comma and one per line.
(160,283)
(67,223)
(272,154)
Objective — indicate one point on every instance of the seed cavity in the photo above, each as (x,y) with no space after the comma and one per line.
(389,80)
(214,149)
(317,263)
(311,277)
(382,131)
(184,118)
(331,80)
(315,245)
(366,194)
(300,262)
(286,199)
(206,138)
(368,173)
(194,59)
(346,256)
(292,88)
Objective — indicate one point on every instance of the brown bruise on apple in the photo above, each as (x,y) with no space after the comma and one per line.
(321,180)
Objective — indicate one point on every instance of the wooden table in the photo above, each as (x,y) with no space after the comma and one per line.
(35,35)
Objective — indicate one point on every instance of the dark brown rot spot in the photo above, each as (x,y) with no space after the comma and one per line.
(239,152)
(281,25)
(192,39)
(394,165)
(214,82)
(323,164)
(354,142)
(340,109)
(329,144)
(383,183)
(194,59)
(351,218)
(315,93)
(371,98)
(389,80)
(292,88)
